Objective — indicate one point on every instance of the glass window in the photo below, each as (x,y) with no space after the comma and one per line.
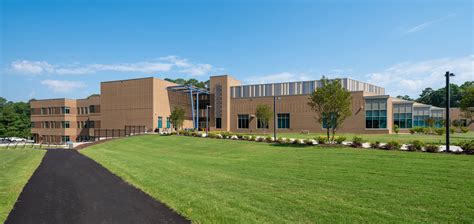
(65,124)
(243,121)
(402,115)
(92,109)
(65,138)
(218,122)
(160,122)
(283,121)
(376,113)
(168,122)
(66,110)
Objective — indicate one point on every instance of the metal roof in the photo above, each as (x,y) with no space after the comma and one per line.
(188,89)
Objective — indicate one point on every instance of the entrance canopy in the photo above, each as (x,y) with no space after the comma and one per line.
(191,90)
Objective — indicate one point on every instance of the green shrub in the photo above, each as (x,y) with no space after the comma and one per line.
(412,131)
(268,139)
(340,139)
(396,129)
(431,148)
(212,135)
(464,129)
(427,130)
(416,145)
(321,139)
(252,138)
(467,146)
(452,130)
(357,142)
(392,145)
(280,140)
(308,141)
(239,136)
(375,145)
(440,131)
(226,134)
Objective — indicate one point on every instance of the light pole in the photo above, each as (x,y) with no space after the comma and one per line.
(448,102)
(275,98)
(207,119)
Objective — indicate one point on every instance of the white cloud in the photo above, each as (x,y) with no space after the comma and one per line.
(197,70)
(424,25)
(172,64)
(31,67)
(61,86)
(409,78)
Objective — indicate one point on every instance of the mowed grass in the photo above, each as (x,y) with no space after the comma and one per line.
(402,138)
(225,181)
(16,168)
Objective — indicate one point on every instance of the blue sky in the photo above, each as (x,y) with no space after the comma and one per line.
(52,49)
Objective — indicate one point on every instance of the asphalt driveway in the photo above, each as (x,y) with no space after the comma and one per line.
(68,187)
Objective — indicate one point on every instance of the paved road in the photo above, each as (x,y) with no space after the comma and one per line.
(70,188)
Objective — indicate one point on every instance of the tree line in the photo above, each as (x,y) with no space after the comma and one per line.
(193,82)
(437,97)
(14,119)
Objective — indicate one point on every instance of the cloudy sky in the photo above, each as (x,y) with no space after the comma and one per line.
(52,49)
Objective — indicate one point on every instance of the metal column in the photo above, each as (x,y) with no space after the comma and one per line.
(197,110)
(192,106)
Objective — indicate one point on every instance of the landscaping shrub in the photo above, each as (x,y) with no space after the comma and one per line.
(416,145)
(464,129)
(240,136)
(212,135)
(340,139)
(431,148)
(251,138)
(412,131)
(280,140)
(467,146)
(396,129)
(452,130)
(392,145)
(268,139)
(321,139)
(357,142)
(440,131)
(226,134)
(375,145)
(308,141)
(427,131)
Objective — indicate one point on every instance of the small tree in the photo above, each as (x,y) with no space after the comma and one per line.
(263,114)
(396,129)
(177,117)
(332,104)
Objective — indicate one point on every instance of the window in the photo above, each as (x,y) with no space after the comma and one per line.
(402,115)
(325,120)
(283,121)
(65,138)
(43,111)
(260,124)
(218,122)
(375,113)
(65,124)
(243,121)
(65,110)
(160,122)
(91,109)
(168,123)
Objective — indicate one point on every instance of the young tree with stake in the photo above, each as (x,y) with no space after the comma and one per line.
(332,105)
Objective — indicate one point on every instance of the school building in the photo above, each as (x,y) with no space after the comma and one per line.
(148,103)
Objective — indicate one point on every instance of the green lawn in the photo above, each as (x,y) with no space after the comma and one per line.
(403,138)
(16,168)
(225,181)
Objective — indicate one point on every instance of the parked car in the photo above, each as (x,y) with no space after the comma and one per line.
(17,139)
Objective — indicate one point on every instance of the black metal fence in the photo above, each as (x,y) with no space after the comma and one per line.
(101,134)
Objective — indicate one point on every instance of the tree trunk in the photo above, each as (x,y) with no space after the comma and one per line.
(327,129)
